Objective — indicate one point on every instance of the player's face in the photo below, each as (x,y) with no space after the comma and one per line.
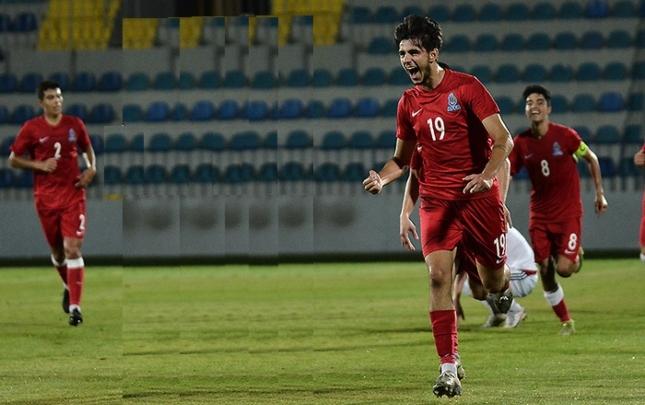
(416,60)
(536,108)
(52,102)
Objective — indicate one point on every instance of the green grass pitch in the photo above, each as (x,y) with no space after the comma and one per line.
(317,333)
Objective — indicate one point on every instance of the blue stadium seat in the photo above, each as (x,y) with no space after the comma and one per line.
(534,73)
(571,10)
(374,76)
(206,173)
(180,174)
(101,114)
(588,71)
(62,79)
(439,13)
(6,178)
(483,73)
(115,143)
(84,82)
(619,39)
(385,15)
(340,108)
(137,82)
(322,78)
(543,11)
(4,115)
(512,43)
(209,80)
(5,145)
(112,175)
(607,167)
(270,140)
(160,142)
(298,139)
(398,77)
(110,81)
(291,108)
(597,9)
(246,140)
(316,109)
(507,73)
(186,142)
(583,103)
(78,110)
(22,113)
(592,40)
(638,70)
(506,105)
(263,80)
(606,135)
(361,140)
(239,173)
(565,41)
(234,79)
(635,102)
(25,22)
(457,43)
(559,104)
(485,43)
(135,175)
(615,71)
(411,10)
(97,144)
(29,82)
(179,112)
(380,46)
(633,134)
(203,110)
(584,133)
(627,168)
(517,12)
(389,108)
(157,111)
(385,140)
(347,77)
(333,140)
(561,73)
(8,83)
(164,81)
(640,37)
(464,13)
(360,15)
(5,23)
(327,172)
(228,110)
(538,41)
(298,78)
(367,107)
(186,81)
(155,174)
(354,172)
(137,143)
(212,141)
(268,172)
(490,12)
(257,110)
(295,171)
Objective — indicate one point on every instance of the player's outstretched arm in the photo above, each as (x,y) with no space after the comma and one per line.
(21,162)
(600,202)
(90,171)
(393,168)
(406,226)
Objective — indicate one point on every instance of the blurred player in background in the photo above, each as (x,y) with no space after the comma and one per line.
(639,161)
(550,151)
(463,142)
(49,146)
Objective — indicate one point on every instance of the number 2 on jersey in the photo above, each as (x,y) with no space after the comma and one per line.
(58,147)
(437,125)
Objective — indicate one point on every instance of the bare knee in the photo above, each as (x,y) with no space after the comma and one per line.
(440,277)
(566,269)
(72,248)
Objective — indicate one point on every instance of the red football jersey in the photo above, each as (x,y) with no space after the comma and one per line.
(43,141)
(446,124)
(553,172)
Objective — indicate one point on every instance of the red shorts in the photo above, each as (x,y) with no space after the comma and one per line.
(556,239)
(479,225)
(62,223)
(466,264)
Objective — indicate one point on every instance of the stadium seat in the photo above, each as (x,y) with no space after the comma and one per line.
(597,9)
(485,43)
(186,142)
(257,110)
(209,80)
(179,112)
(561,73)
(157,111)
(367,107)
(619,39)
(101,114)
(247,140)
(584,133)
(633,134)
(322,78)
(298,139)
(263,80)
(206,173)
(347,77)
(298,78)
(115,143)
(291,108)
(506,105)
(8,83)
(592,40)
(638,70)
(327,173)
(398,77)
(606,135)
(212,142)
(565,41)
(234,79)
(360,15)
(228,110)
(270,140)
(5,145)
(110,81)
(78,110)
(62,79)
(559,104)
(112,175)
(464,13)
(361,140)
(380,46)
(517,12)
(137,143)
(386,140)
(239,173)
(483,73)
(29,82)
(512,43)
(340,108)
(4,115)
(640,37)
(490,12)
(616,71)
(385,15)
(354,172)
(588,71)
(627,168)
(543,11)
(635,102)
(135,175)
(411,10)
(583,103)
(22,113)
(607,167)
(180,174)
(186,81)
(6,178)
(137,82)
(538,41)
(507,73)
(611,102)
(439,13)
(389,108)
(25,22)
(164,81)
(155,174)
(374,76)
(295,171)
(457,43)
(203,110)
(316,109)
(84,82)
(268,172)
(534,73)
(333,140)
(160,142)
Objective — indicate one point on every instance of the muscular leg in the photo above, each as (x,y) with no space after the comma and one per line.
(75,275)
(565,267)
(547,275)
(553,292)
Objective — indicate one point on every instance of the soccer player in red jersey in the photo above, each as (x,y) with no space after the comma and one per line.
(463,142)
(49,146)
(549,151)
(639,160)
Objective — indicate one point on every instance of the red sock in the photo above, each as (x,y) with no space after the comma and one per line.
(75,272)
(561,311)
(444,329)
(61,268)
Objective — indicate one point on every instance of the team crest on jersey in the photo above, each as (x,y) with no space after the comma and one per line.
(71,135)
(557,150)
(453,104)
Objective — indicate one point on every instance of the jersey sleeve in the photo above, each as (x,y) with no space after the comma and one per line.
(83,137)
(479,100)
(23,142)
(404,129)
(572,141)
(515,158)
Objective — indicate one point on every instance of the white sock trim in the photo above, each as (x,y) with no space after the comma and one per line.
(56,263)
(73,307)
(554,298)
(643,257)
(452,367)
(75,263)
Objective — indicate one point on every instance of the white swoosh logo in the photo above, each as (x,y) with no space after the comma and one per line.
(414,114)
(43,139)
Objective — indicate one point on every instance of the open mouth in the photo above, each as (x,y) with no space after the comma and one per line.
(414,72)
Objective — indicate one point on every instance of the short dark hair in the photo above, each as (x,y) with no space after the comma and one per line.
(46,85)
(423,29)
(536,88)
